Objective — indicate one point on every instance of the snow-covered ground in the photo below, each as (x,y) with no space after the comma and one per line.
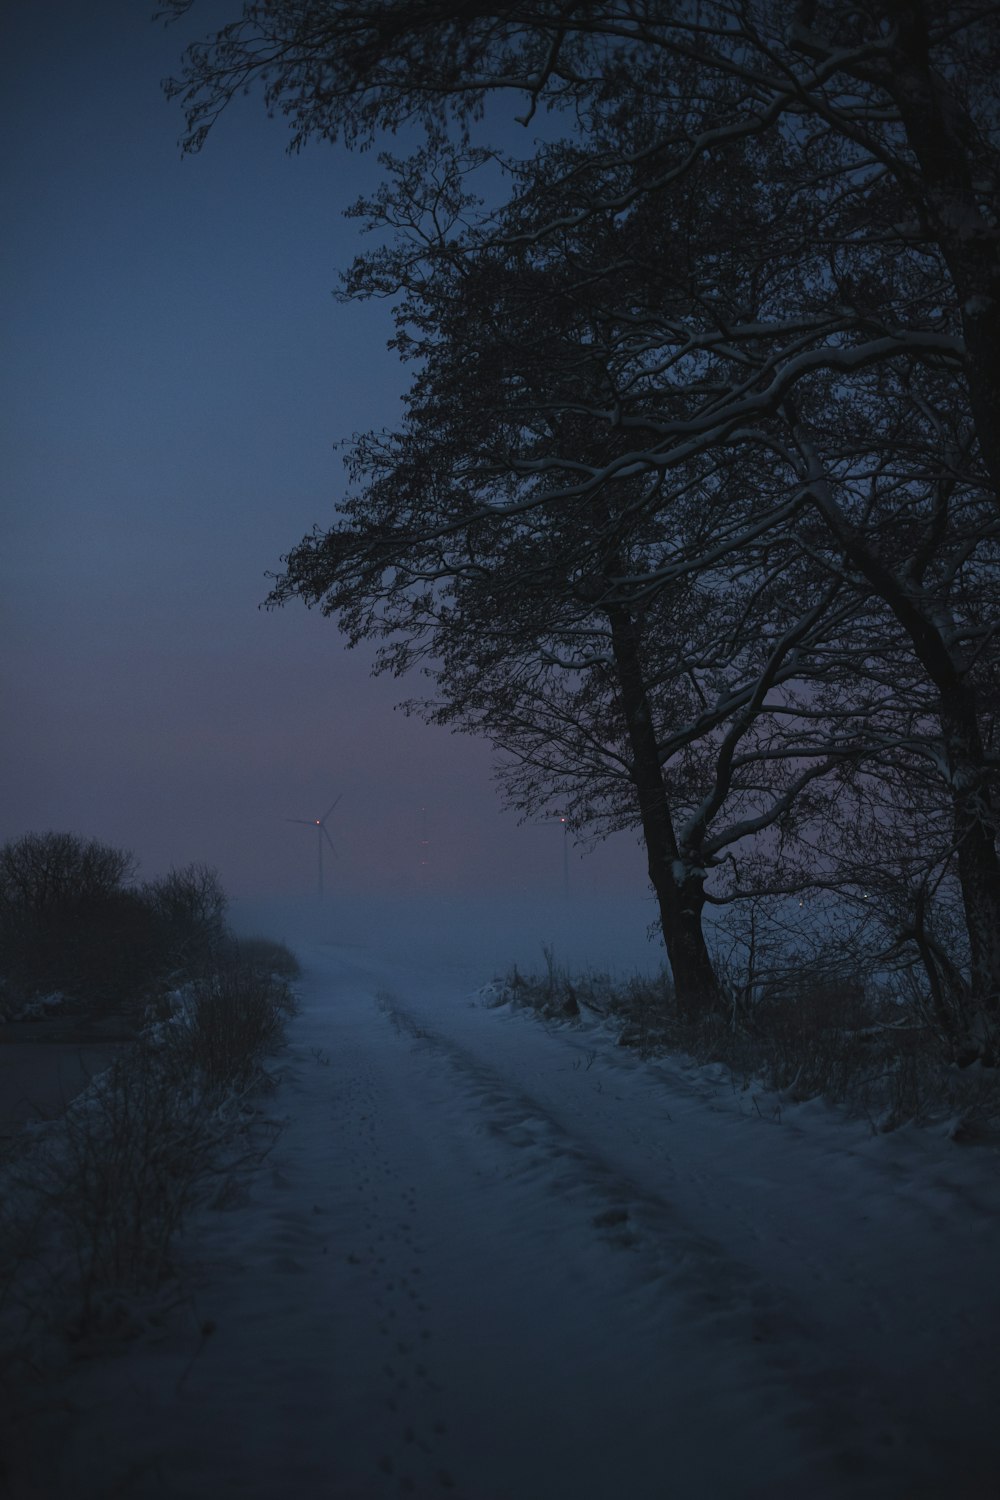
(494,1261)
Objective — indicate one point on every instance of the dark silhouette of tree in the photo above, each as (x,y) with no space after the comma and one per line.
(510,535)
(887,112)
(695,507)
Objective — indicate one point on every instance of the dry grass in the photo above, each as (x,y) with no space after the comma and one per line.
(826,1034)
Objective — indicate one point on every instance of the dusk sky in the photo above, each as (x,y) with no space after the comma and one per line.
(176,374)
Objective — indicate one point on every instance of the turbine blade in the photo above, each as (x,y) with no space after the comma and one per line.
(328,839)
(331,807)
(309,822)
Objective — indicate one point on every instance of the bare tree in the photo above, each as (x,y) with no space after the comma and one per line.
(576,609)
(731,347)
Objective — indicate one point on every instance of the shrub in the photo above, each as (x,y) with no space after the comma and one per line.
(68,923)
(42,873)
(190,906)
(112,949)
(231,1019)
(91,1206)
(124,1171)
(261,953)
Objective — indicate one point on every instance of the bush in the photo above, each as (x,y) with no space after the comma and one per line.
(124,1171)
(229,1021)
(42,873)
(112,949)
(68,923)
(261,953)
(90,1207)
(190,907)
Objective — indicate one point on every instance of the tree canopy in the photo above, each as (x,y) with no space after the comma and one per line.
(694,509)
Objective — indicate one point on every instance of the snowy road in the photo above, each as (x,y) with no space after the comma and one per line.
(493,1262)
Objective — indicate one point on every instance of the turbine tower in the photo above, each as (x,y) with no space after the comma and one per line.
(424,842)
(321,833)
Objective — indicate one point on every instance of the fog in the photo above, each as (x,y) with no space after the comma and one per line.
(477,937)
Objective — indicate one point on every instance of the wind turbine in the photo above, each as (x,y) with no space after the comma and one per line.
(321,833)
(424,841)
(560,818)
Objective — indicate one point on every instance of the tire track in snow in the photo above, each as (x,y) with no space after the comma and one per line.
(439,1288)
(838,1410)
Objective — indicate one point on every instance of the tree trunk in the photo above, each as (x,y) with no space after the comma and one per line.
(978,863)
(679,890)
(946,194)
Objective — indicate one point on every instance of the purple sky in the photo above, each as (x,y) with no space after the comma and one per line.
(176,373)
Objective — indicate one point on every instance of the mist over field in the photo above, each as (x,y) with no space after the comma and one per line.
(482,935)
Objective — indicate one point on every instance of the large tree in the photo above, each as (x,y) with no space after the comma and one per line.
(578,610)
(733,340)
